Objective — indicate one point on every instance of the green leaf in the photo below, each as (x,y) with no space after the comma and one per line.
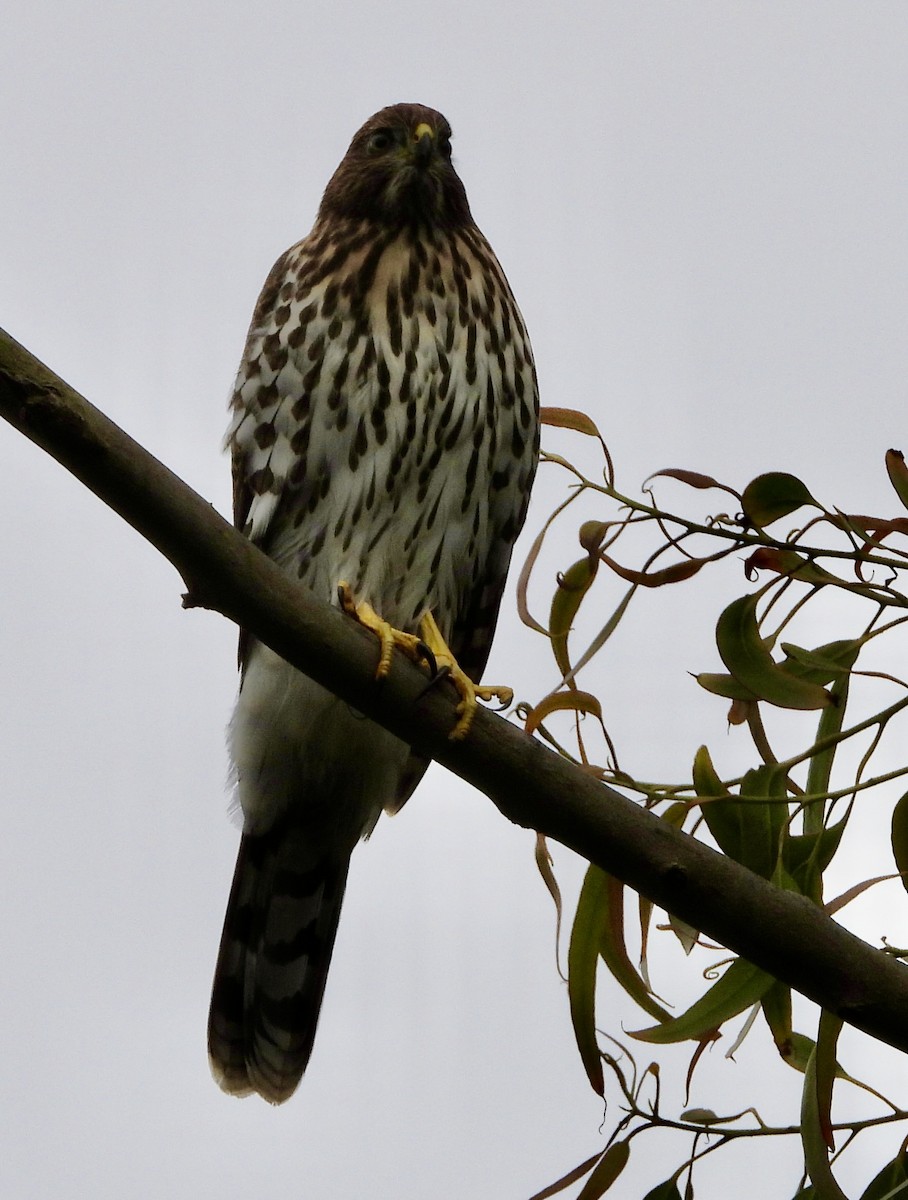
(613,949)
(583,959)
(898,474)
(700,1116)
(900,837)
(772,496)
(776,1005)
(802,1047)
(724,685)
(819,772)
(605,1172)
(892,1181)
(807,855)
(664,1191)
(816,1105)
(747,658)
(745,830)
(686,934)
(738,988)
(573,585)
(706,781)
(823,665)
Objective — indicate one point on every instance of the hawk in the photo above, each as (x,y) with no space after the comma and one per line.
(384,438)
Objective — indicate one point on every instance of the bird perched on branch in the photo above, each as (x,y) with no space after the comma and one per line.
(384,438)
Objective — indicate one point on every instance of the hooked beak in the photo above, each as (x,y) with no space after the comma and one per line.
(423,143)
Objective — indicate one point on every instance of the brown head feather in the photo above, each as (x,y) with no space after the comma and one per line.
(391,176)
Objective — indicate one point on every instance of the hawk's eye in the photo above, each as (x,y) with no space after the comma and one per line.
(381,140)
(444,144)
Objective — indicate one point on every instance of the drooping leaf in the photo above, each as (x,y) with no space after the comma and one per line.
(816,1110)
(606,1171)
(686,934)
(574,701)
(747,831)
(613,948)
(523,581)
(819,771)
(677,573)
(827,1071)
(573,585)
(583,959)
(603,635)
(545,865)
(776,1005)
(898,474)
(900,837)
(806,856)
(803,1048)
(664,1191)
(891,1182)
(566,1180)
(772,496)
(745,654)
(740,986)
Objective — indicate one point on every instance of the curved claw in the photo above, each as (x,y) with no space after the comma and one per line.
(470,692)
(389,637)
(429,659)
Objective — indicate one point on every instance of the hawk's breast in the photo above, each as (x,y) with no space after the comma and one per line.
(385,420)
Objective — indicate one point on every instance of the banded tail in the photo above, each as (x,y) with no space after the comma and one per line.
(273,962)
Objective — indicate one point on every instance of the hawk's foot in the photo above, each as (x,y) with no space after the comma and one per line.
(388,636)
(470,692)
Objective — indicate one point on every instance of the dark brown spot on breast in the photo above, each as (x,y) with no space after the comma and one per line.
(267,395)
(329,302)
(261,481)
(392,312)
(299,443)
(265,435)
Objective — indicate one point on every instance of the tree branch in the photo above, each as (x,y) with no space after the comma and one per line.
(780,931)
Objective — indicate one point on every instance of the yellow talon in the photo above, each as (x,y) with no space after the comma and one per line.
(469,691)
(415,647)
(388,636)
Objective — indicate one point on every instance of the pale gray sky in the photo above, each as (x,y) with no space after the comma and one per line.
(701,208)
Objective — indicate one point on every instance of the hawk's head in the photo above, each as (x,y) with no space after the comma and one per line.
(398,171)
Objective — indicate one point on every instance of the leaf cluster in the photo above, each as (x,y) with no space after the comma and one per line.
(784,817)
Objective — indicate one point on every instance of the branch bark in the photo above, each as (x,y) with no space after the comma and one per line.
(783,933)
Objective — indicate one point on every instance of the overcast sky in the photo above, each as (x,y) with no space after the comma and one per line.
(702,211)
